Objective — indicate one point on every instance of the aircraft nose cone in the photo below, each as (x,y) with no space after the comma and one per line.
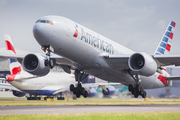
(40,34)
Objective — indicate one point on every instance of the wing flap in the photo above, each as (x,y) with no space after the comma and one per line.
(164,60)
(8,86)
(118,62)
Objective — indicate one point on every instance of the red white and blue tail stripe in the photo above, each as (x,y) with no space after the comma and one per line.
(15,66)
(164,46)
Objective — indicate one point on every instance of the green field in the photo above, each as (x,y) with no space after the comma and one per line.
(88,101)
(98,116)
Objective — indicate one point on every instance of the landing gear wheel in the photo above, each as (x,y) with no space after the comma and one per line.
(141,91)
(51,63)
(60,98)
(144,94)
(136,94)
(85,94)
(46,63)
(78,95)
(75,91)
(130,87)
(79,90)
(71,87)
(136,90)
(82,91)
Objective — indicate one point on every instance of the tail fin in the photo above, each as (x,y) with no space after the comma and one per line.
(15,66)
(164,46)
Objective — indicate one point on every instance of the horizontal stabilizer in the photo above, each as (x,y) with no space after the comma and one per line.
(173,78)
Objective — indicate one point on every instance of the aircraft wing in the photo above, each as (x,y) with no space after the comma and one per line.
(120,62)
(59,60)
(8,86)
(12,56)
(164,60)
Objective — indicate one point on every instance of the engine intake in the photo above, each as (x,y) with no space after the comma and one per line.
(18,94)
(34,64)
(142,63)
(92,92)
(110,90)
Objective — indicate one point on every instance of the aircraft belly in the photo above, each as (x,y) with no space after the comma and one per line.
(107,76)
(24,85)
(39,92)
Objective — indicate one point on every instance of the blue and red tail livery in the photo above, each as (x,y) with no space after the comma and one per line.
(15,66)
(164,46)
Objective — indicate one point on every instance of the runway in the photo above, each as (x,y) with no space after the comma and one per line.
(9,110)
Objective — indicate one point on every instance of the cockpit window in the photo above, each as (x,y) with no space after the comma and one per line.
(38,21)
(44,21)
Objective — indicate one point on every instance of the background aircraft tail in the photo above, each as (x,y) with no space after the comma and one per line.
(15,66)
(164,46)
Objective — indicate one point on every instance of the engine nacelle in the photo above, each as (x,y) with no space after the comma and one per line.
(34,64)
(110,90)
(92,92)
(142,64)
(18,94)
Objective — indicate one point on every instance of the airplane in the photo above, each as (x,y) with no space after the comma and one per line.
(85,51)
(52,84)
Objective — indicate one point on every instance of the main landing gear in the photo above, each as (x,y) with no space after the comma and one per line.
(137,90)
(79,90)
(48,61)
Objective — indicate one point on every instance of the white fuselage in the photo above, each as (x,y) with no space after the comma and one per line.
(45,85)
(86,48)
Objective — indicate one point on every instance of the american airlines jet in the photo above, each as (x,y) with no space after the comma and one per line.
(79,48)
(52,84)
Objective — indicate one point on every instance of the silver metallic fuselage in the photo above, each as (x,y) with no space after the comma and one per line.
(85,49)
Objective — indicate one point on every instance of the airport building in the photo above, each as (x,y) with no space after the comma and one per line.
(4,68)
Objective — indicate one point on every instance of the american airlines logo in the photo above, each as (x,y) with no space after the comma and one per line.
(76,31)
(96,42)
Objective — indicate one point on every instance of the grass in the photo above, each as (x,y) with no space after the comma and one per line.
(88,101)
(98,116)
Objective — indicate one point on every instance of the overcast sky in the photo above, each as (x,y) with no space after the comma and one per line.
(136,24)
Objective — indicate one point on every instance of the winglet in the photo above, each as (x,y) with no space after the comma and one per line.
(164,46)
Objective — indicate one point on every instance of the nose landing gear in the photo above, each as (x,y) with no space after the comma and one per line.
(79,90)
(48,61)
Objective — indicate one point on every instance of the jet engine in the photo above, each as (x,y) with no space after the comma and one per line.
(18,94)
(142,63)
(34,64)
(110,90)
(92,92)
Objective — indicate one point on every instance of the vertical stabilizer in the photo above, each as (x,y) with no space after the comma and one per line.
(164,46)
(15,66)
